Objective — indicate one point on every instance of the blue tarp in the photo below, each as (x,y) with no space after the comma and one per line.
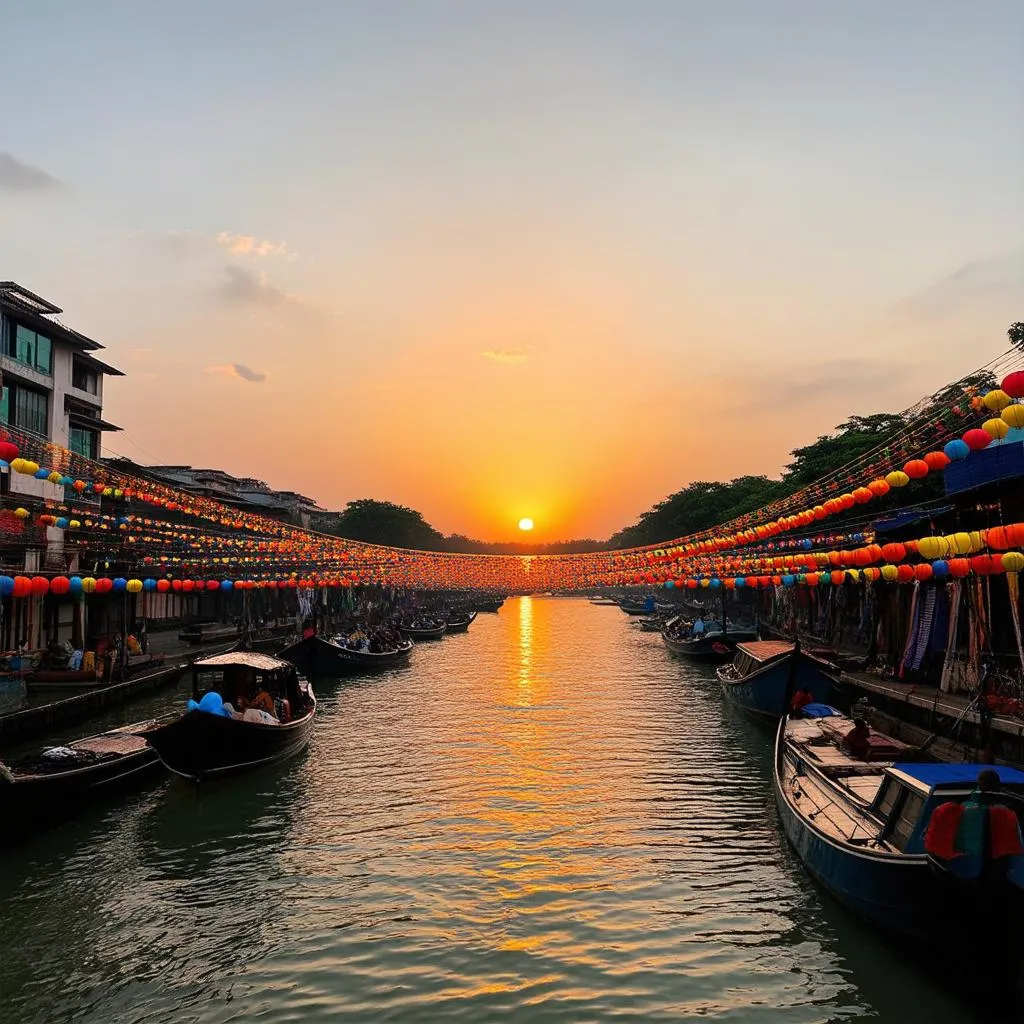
(939,774)
(1001,460)
(818,710)
(913,515)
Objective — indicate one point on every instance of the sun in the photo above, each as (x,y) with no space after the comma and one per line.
(526,523)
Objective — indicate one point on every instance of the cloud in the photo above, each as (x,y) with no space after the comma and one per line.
(19,177)
(239,370)
(509,356)
(249,245)
(249,287)
(979,287)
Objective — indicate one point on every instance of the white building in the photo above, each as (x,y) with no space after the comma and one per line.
(52,382)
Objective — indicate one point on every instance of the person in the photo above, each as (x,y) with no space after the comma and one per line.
(858,740)
(309,631)
(698,627)
(262,702)
(801,699)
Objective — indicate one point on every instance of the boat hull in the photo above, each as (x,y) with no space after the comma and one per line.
(201,746)
(715,648)
(764,692)
(318,657)
(903,893)
(434,633)
(460,626)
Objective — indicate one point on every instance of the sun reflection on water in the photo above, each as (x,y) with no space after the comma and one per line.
(525,649)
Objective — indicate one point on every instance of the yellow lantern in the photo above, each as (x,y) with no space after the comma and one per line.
(55,477)
(890,573)
(134,586)
(16,465)
(853,574)
(897,478)
(977,540)
(28,467)
(1012,416)
(996,400)
(933,547)
(88,585)
(21,513)
(995,428)
(959,543)
(74,524)
(1013,561)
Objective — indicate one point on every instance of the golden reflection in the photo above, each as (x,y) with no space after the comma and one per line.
(525,649)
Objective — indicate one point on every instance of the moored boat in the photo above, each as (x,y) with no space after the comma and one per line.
(212,738)
(714,646)
(861,828)
(423,631)
(763,677)
(488,604)
(322,656)
(459,623)
(50,786)
(209,633)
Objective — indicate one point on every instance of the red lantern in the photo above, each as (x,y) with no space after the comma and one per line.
(8,451)
(40,585)
(977,439)
(894,552)
(60,585)
(837,576)
(916,469)
(22,586)
(959,566)
(996,538)
(905,573)
(104,586)
(862,495)
(923,571)
(98,488)
(212,585)
(936,461)
(1013,384)
(188,586)
(163,586)
(985,565)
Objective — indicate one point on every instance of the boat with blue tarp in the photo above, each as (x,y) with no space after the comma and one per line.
(758,678)
(931,851)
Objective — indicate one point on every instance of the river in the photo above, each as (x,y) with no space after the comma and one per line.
(548,818)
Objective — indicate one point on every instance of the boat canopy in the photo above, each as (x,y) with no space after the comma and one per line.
(242,659)
(764,650)
(928,776)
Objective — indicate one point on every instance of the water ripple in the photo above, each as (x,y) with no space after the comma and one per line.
(547,819)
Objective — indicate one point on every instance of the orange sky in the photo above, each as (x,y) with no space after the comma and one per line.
(498,260)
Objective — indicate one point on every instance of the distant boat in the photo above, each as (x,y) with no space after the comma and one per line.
(859,828)
(714,646)
(52,785)
(758,679)
(208,633)
(323,656)
(423,632)
(460,623)
(70,680)
(488,604)
(202,744)
(605,602)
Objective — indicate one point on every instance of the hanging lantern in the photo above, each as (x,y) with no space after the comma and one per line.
(977,439)
(923,572)
(936,461)
(60,585)
(996,428)
(878,488)
(996,400)
(897,478)
(1013,384)
(8,451)
(1013,416)
(1013,561)
(916,469)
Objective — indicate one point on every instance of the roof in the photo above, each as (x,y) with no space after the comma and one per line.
(245,659)
(941,774)
(762,650)
(12,294)
(98,364)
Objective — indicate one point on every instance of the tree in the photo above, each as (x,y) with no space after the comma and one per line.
(1016,335)
(383,522)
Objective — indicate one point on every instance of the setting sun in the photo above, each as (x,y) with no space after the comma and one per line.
(526,523)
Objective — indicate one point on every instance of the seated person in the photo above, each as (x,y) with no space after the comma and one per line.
(262,702)
(801,699)
(858,740)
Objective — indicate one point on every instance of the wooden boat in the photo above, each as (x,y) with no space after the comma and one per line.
(202,744)
(489,604)
(318,656)
(52,785)
(423,632)
(630,608)
(208,633)
(714,646)
(654,624)
(68,680)
(760,677)
(859,828)
(605,602)
(460,623)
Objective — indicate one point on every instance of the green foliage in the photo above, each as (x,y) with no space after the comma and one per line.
(852,439)
(382,522)
(1016,335)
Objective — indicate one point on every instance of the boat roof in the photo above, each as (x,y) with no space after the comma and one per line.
(762,650)
(928,776)
(243,659)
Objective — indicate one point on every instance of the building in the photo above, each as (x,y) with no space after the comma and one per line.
(52,381)
(245,493)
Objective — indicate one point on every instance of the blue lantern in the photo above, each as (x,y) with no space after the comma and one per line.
(226,584)
(76,584)
(788,580)
(957,450)
(149,584)
(940,568)
(120,584)
(6,586)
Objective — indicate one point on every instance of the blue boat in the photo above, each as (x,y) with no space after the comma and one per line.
(757,680)
(859,828)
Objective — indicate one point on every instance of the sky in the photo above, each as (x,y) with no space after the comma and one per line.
(503,259)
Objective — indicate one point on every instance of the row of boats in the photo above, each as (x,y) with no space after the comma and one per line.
(928,849)
(247,709)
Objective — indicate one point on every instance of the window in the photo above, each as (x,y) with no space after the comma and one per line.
(35,350)
(32,411)
(909,813)
(5,406)
(84,378)
(84,442)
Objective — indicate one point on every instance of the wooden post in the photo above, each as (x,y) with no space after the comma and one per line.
(791,678)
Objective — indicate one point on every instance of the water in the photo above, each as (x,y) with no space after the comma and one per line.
(545,819)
